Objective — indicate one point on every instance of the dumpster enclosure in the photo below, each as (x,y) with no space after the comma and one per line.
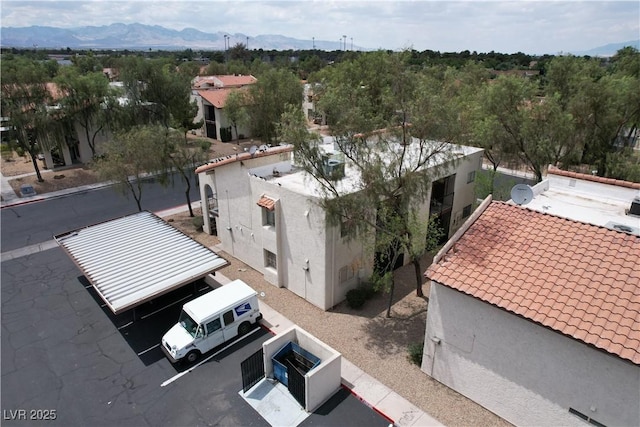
(315,365)
(292,356)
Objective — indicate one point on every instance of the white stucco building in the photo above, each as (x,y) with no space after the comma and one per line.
(210,94)
(266,213)
(536,315)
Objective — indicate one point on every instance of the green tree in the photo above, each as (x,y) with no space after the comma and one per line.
(235,109)
(132,155)
(83,100)
(392,132)
(27,99)
(184,154)
(535,130)
(189,68)
(606,109)
(268,99)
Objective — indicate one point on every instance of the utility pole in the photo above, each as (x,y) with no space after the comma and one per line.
(352,43)
(314,42)
(247,45)
(345,42)
(226,47)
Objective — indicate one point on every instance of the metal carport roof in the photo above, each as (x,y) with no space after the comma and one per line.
(136,258)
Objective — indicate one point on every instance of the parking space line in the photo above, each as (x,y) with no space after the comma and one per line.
(149,349)
(124,326)
(166,306)
(177,376)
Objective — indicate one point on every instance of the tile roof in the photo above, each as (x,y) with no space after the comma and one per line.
(629,184)
(575,278)
(237,80)
(215,97)
(267,203)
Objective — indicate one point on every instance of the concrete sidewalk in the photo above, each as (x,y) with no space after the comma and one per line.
(366,388)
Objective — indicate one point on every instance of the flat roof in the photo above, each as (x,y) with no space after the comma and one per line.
(584,198)
(136,258)
(297,180)
(218,300)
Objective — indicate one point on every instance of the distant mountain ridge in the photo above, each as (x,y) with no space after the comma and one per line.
(143,37)
(609,49)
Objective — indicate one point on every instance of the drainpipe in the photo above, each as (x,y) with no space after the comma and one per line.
(333,266)
(229,229)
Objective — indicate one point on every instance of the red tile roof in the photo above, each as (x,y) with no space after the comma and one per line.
(237,80)
(267,203)
(215,97)
(575,278)
(243,156)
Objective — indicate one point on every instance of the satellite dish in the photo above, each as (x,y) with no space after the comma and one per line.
(521,194)
(253,150)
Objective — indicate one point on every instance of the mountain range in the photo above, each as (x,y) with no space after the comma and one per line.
(145,37)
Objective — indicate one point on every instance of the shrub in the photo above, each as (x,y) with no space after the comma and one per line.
(198,222)
(358,296)
(415,353)
(225,134)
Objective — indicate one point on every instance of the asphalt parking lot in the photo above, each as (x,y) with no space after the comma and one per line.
(67,360)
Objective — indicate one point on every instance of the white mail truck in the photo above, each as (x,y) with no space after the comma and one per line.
(210,320)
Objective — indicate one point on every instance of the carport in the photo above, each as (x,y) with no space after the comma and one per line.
(136,258)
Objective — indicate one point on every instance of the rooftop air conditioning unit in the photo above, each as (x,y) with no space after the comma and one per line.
(334,169)
(635,207)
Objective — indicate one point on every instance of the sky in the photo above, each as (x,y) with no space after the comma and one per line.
(532,27)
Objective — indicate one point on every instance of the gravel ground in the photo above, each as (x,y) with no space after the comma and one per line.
(376,344)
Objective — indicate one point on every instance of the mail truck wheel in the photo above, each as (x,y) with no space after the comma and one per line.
(244,328)
(192,356)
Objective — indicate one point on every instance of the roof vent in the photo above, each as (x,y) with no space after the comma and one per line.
(635,207)
(623,227)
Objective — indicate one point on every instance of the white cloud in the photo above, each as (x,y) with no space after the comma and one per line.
(501,26)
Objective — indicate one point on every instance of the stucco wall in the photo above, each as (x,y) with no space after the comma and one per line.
(310,252)
(526,373)
(464,191)
(322,381)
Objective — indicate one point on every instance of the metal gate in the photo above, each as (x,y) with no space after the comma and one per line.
(296,384)
(252,370)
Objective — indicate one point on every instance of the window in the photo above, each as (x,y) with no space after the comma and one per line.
(268,217)
(466,211)
(268,206)
(228,318)
(213,326)
(270,259)
(471,176)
